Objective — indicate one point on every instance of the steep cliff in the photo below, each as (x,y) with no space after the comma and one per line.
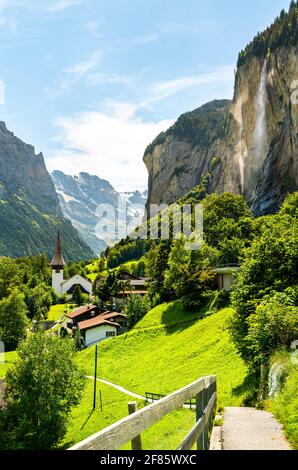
(249,145)
(30,212)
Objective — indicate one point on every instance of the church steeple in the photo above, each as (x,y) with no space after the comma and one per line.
(58,260)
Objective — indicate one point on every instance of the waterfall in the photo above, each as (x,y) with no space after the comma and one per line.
(241,150)
(276,375)
(260,137)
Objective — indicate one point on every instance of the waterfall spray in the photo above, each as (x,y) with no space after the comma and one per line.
(260,133)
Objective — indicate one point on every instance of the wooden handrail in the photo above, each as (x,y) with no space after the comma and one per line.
(118,434)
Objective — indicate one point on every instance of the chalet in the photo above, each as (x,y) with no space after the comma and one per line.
(226,275)
(115,317)
(94,325)
(139,285)
(83,313)
(97,329)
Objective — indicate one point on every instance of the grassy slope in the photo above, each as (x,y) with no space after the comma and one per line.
(84,422)
(168,350)
(6,361)
(286,406)
(56,311)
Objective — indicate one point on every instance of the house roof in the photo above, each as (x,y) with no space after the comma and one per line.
(81,310)
(79,277)
(109,315)
(96,321)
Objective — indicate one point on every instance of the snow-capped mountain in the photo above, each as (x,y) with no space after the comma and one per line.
(100,214)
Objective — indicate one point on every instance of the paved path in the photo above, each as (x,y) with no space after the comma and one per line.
(118,387)
(250,429)
(127,392)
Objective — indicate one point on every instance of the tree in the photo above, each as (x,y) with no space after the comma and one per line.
(189,273)
(77,295)
(13,320)
(136,307)
(270,265)
(39,300)
(108,287)
(40,389)
(273,326)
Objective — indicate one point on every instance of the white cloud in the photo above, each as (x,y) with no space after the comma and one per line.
(220,76)
(109,144)
(94,27)
(82,68)
(74,73)
(60,5)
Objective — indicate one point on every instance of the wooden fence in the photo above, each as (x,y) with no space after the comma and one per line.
(131,427)
(151,397)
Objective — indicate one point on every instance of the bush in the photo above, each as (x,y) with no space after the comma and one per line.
(136,308)
(40,389)
(273,326)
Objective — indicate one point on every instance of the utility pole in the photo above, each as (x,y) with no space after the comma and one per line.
(95,378)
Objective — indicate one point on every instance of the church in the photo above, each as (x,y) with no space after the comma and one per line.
(66,286)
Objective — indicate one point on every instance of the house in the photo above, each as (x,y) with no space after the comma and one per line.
(83,313)
(139,285)
(94,325)
(97,329)
(67,286)
(226,275)
(116,317)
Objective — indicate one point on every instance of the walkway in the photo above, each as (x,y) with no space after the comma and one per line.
(118,387)
(250,429)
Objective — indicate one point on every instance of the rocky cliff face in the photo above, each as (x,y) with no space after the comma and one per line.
(21,169)
(254,152)
(81,198)
(30,212)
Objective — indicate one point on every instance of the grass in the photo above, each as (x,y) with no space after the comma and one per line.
(6,361)
(169,349)
(57,311)
(85,422)
(285,405)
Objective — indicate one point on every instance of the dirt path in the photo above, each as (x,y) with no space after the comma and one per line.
(118,387)
(250,429)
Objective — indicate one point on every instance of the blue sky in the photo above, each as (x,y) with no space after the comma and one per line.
(91,82)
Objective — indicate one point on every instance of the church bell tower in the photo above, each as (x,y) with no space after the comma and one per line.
(57,264)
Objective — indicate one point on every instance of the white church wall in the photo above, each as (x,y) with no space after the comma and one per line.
(57,279)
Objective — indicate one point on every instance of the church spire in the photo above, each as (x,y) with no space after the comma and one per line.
(58,260)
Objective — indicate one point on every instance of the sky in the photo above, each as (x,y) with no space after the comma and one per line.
(90,83)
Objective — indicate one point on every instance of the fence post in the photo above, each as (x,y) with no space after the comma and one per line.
(136,442)
(199,413)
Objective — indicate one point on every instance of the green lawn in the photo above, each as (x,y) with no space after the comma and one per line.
(169,349)
(6,361)
(285,406)
(85,422)
(56,311)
